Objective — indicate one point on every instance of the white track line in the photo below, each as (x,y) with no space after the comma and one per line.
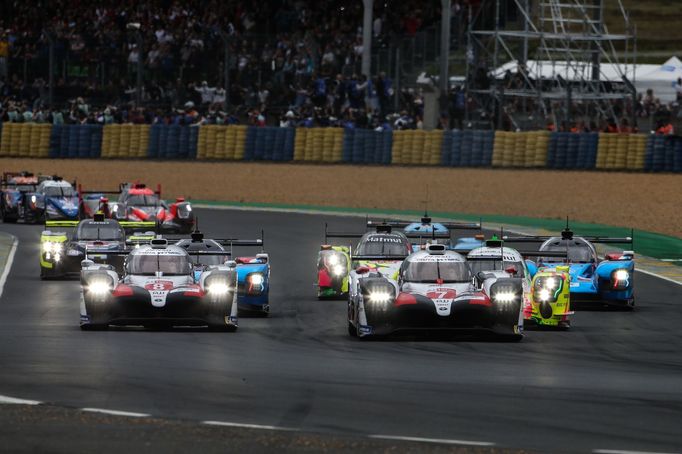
(658,276)
(8,264)
(7,400)
(247,426)
(620,451)
(130,414)
(446,441)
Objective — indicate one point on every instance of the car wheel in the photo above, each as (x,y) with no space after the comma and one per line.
(352,330)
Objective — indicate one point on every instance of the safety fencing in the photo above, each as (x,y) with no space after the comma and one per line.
(468,148)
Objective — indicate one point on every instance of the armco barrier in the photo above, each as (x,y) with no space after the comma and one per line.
(221,142)
(172,142)
(269,144)
(417,147)
(663,154)
(318,144)
(125,141)
(364,146)
(520,149)
(625,151)
(29,140)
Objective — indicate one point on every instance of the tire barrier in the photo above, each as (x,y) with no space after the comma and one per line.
(173,142)
(622,151)
(520,149)
(221,142)
(417,147)
(365,146)
(663,154)
(318,144)
(125,141)
(269,144)
(29,140)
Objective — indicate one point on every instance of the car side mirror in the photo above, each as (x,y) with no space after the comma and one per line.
(511,270)
(362,269)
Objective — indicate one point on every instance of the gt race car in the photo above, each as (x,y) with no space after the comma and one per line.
(137,202)
(334,263)
(546,300)
(64,244)
(605,282)
(434,290)
(436,232)
(253,272)
(34,199)
(157,288)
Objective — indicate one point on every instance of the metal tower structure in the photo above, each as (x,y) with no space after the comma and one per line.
(579,71)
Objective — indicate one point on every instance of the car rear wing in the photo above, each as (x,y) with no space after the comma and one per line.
(591,239)
(121,187)
(331,234)
(378,258)
(401,224)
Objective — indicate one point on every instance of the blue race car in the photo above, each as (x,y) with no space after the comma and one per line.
(35,199)
(609,281)
(436,232)
(253,273)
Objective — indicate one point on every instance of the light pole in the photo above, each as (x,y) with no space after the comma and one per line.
(226,69)
(367,37)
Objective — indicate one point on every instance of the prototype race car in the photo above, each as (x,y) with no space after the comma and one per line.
(436,232)
(137,202)
(157,288)
(334,263)
(607,282)
(546,299)
(62,251)
(34,199)
(434,290)
(253,273)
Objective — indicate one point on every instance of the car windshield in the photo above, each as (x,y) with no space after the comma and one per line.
(143,200)
(478,265)
(208,260)
(105,232)
(59,191)
(576,254)
(149,264)
(383,245)
(433,270)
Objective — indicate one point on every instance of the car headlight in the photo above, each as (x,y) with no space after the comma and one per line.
(256,279)
(379,297)
(189,208)
(504,297)
(622,275)
(114,208)
(333,259)
(50,246)
(620,279)
(338,270)
(33,199)
(548,288)
(218,288)
(544,295)
(100,286)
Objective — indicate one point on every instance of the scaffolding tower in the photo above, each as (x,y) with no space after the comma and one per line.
(579,72)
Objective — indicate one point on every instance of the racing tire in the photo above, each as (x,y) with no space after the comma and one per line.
(352,330)
(94,327)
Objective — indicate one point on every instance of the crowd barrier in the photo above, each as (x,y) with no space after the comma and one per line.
(468,148)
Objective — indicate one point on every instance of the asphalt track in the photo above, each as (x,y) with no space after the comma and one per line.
(613,382)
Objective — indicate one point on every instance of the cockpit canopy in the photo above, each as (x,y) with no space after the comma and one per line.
(148,263)
(105,231)
(579,250)
(383,244)
(442,269)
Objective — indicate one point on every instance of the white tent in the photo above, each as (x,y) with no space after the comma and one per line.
(660,78)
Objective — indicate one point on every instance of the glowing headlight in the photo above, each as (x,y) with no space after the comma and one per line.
(99,287)
(114,208)
(188,207)
(543,294)
(379,297)
(50,246)
(218,288)
(338,270)
(33,199)
(504,297)
(256,279)
(550,283)
(622,275)
(333,259)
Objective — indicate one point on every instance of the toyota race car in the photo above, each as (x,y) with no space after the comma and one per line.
(433,290)
(137,202)
(156,288)
(34,199)
(253,273)
(546,299)
(61,252)
(602,282)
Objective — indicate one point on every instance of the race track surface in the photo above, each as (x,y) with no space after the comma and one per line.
(613,382)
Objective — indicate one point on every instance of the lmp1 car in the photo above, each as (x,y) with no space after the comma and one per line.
(434,290)
(137,202)
(334,262)
(64,244)
(607,282)
(253,273)
(546,300)
(34,199)
(158,288)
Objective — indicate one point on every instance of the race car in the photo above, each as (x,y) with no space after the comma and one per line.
(64,244)
(253,273)
(34,199)
(435,232)
(334,262)
(433,289)
(607,282)
(546,299)
(137,202)
(157,288)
